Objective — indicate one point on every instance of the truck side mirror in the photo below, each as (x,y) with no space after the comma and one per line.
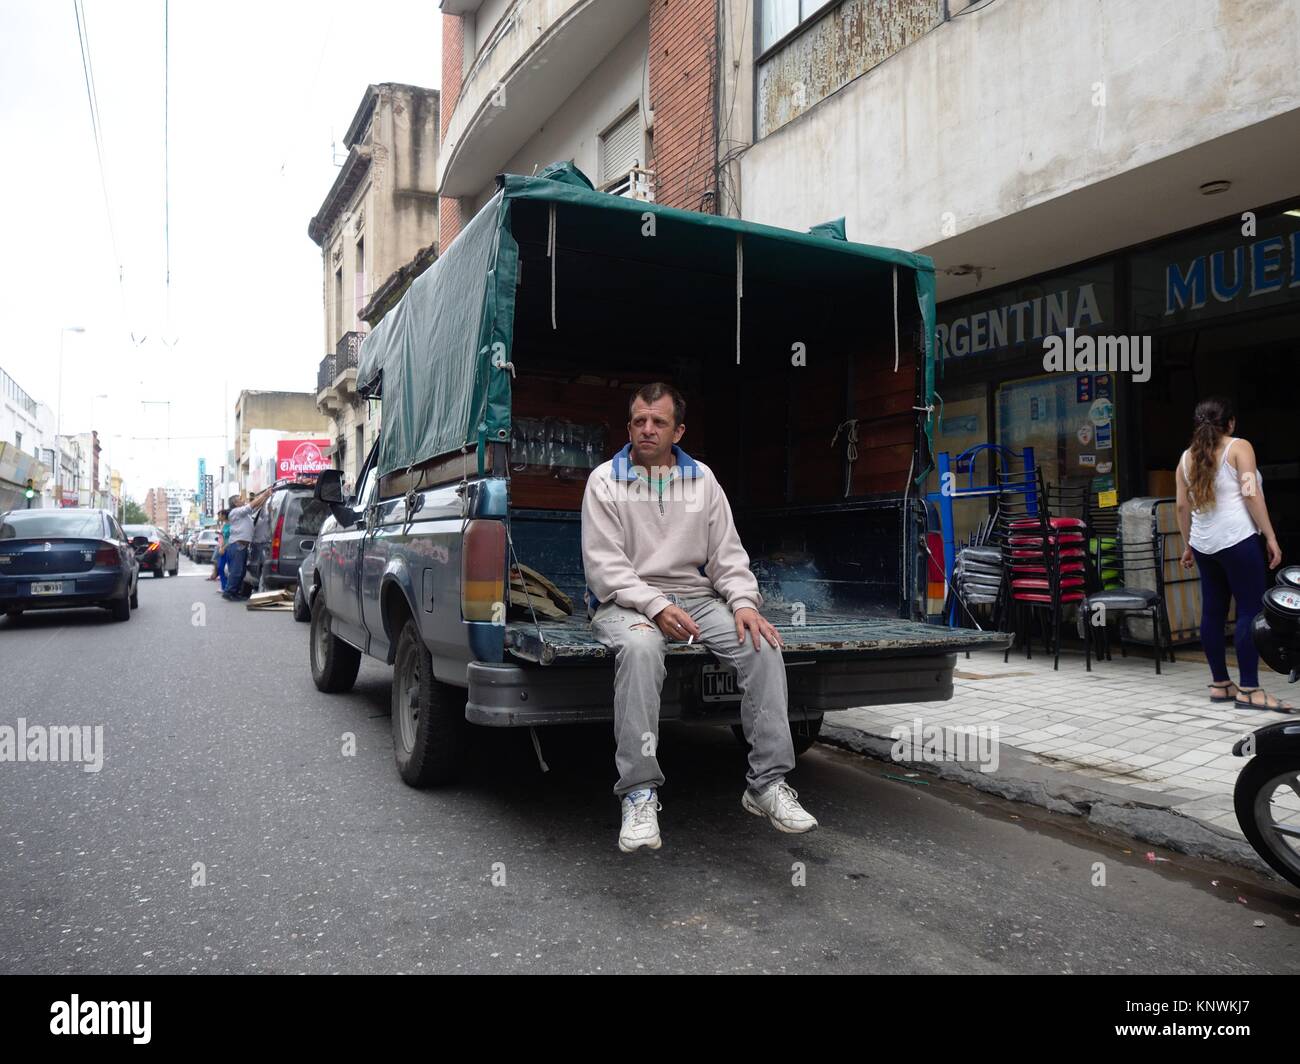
(329,487)
(329,490)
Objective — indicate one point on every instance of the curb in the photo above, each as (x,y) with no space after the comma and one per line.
(1142,815)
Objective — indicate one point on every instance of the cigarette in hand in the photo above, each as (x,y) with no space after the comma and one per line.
(691,640)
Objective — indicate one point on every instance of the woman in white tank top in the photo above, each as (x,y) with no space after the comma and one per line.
(1225,524)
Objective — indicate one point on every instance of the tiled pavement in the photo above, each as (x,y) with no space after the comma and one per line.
(1119,726)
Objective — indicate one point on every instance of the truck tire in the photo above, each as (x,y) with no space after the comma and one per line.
(428,716)
(803,733)
(301,612)
(334,664)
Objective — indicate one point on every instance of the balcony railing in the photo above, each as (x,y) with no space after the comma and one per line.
(325,375)
(344,358)
(349,347)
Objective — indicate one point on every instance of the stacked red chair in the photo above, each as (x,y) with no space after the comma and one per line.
(1044,561)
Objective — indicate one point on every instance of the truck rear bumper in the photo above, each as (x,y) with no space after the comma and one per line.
(505,695)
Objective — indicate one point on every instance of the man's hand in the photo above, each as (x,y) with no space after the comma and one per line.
(751,621)
(676,623)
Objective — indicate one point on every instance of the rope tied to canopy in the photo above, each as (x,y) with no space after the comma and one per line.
(740,287)
(550,254)
(895,317)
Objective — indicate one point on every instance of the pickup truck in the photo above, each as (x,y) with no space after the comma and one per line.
(504,374)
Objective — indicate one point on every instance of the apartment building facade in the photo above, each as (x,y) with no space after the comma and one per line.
(379,216)
(626,89)
(288,413)
(156,501)
(28,448)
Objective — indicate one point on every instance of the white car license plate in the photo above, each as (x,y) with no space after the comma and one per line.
(54,588)
(718,684)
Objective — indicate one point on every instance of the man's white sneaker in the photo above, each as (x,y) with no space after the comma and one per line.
(779,803)
(640,821)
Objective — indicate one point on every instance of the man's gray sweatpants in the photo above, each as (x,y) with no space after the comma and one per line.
(639,671)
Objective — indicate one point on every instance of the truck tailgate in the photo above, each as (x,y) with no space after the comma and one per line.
(829,636)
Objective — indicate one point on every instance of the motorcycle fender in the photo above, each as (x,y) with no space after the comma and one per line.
(1275,739)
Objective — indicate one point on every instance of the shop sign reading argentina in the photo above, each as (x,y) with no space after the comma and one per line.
(1027,314)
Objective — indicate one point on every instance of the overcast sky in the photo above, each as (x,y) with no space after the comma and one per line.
(257,93)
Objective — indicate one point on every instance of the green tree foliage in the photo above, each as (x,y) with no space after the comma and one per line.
(133,513)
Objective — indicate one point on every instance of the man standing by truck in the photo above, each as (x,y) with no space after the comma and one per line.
(674,569)
(241,538)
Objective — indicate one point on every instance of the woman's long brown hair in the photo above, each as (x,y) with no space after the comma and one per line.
(1210,423)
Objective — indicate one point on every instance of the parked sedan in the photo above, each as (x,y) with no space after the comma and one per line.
(56,559)
(154,550)
(204,545)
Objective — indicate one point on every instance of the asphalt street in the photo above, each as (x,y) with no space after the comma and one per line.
(232,830)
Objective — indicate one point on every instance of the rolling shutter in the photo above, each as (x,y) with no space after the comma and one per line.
(620,147)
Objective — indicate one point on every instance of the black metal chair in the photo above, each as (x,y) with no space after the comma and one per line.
(1103,549)
(1100,605)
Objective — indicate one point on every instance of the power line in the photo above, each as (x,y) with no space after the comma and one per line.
(167,177)
(92,101)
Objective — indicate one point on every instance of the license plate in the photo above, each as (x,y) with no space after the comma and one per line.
(55,588)
(718,684)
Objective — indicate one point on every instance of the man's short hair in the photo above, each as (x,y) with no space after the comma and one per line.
(650,393)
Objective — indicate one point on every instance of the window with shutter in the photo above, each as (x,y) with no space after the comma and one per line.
(620,150)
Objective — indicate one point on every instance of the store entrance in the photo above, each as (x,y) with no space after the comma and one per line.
(1256,364)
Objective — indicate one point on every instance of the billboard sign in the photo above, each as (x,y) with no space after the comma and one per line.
(295,458)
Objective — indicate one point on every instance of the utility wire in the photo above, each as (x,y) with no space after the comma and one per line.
(92,101)
(167,172)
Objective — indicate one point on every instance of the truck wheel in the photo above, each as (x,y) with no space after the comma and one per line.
(334,664)
(428,716)
(300,610)
(803,732)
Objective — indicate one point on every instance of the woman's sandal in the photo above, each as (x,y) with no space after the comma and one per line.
(1224,686)
(1277,705)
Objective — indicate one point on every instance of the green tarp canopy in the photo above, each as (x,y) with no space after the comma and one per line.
(438,358)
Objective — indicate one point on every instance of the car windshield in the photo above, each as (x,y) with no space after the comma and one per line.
(208,537)
(43,524)
(139,530)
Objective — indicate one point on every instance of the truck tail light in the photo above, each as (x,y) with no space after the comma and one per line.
(483,572)
(275,539)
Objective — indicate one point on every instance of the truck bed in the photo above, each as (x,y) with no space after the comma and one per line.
(571,641)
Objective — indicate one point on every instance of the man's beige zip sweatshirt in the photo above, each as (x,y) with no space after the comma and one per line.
(643,540)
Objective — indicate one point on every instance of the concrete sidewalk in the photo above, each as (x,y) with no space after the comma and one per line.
(1131,751)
